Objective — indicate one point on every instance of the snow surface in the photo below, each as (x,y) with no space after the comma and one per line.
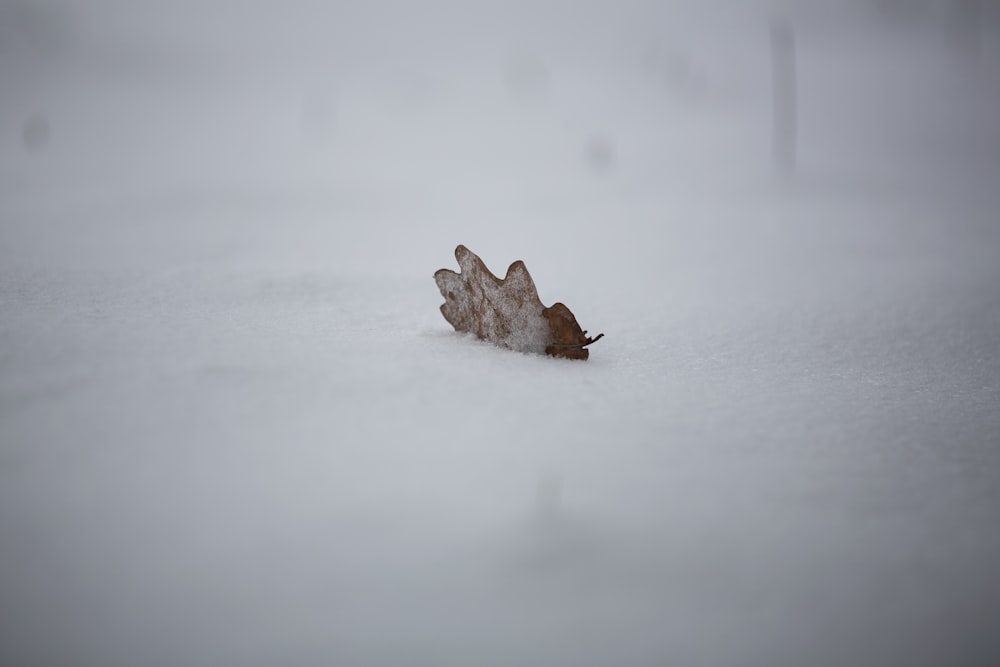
(236,430)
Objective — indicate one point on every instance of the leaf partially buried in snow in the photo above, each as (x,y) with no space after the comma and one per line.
(508,312)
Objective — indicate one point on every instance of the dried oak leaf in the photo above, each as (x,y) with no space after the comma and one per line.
(508,312)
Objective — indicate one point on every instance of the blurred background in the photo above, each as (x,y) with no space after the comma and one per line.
(234,428)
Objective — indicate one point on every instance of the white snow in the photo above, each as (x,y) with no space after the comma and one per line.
(236,430)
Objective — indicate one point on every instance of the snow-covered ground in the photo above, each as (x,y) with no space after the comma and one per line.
(235,429)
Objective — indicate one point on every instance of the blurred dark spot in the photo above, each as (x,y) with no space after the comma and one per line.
(672,67)
(318,115)
(527,77)
(35,133)
(548,495)
(600,152)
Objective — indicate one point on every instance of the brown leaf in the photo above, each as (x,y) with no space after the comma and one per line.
(508,312)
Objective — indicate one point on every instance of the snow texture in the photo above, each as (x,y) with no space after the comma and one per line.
(236,431)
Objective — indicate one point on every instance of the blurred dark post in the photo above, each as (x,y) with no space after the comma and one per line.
(966,29)
(784,110)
